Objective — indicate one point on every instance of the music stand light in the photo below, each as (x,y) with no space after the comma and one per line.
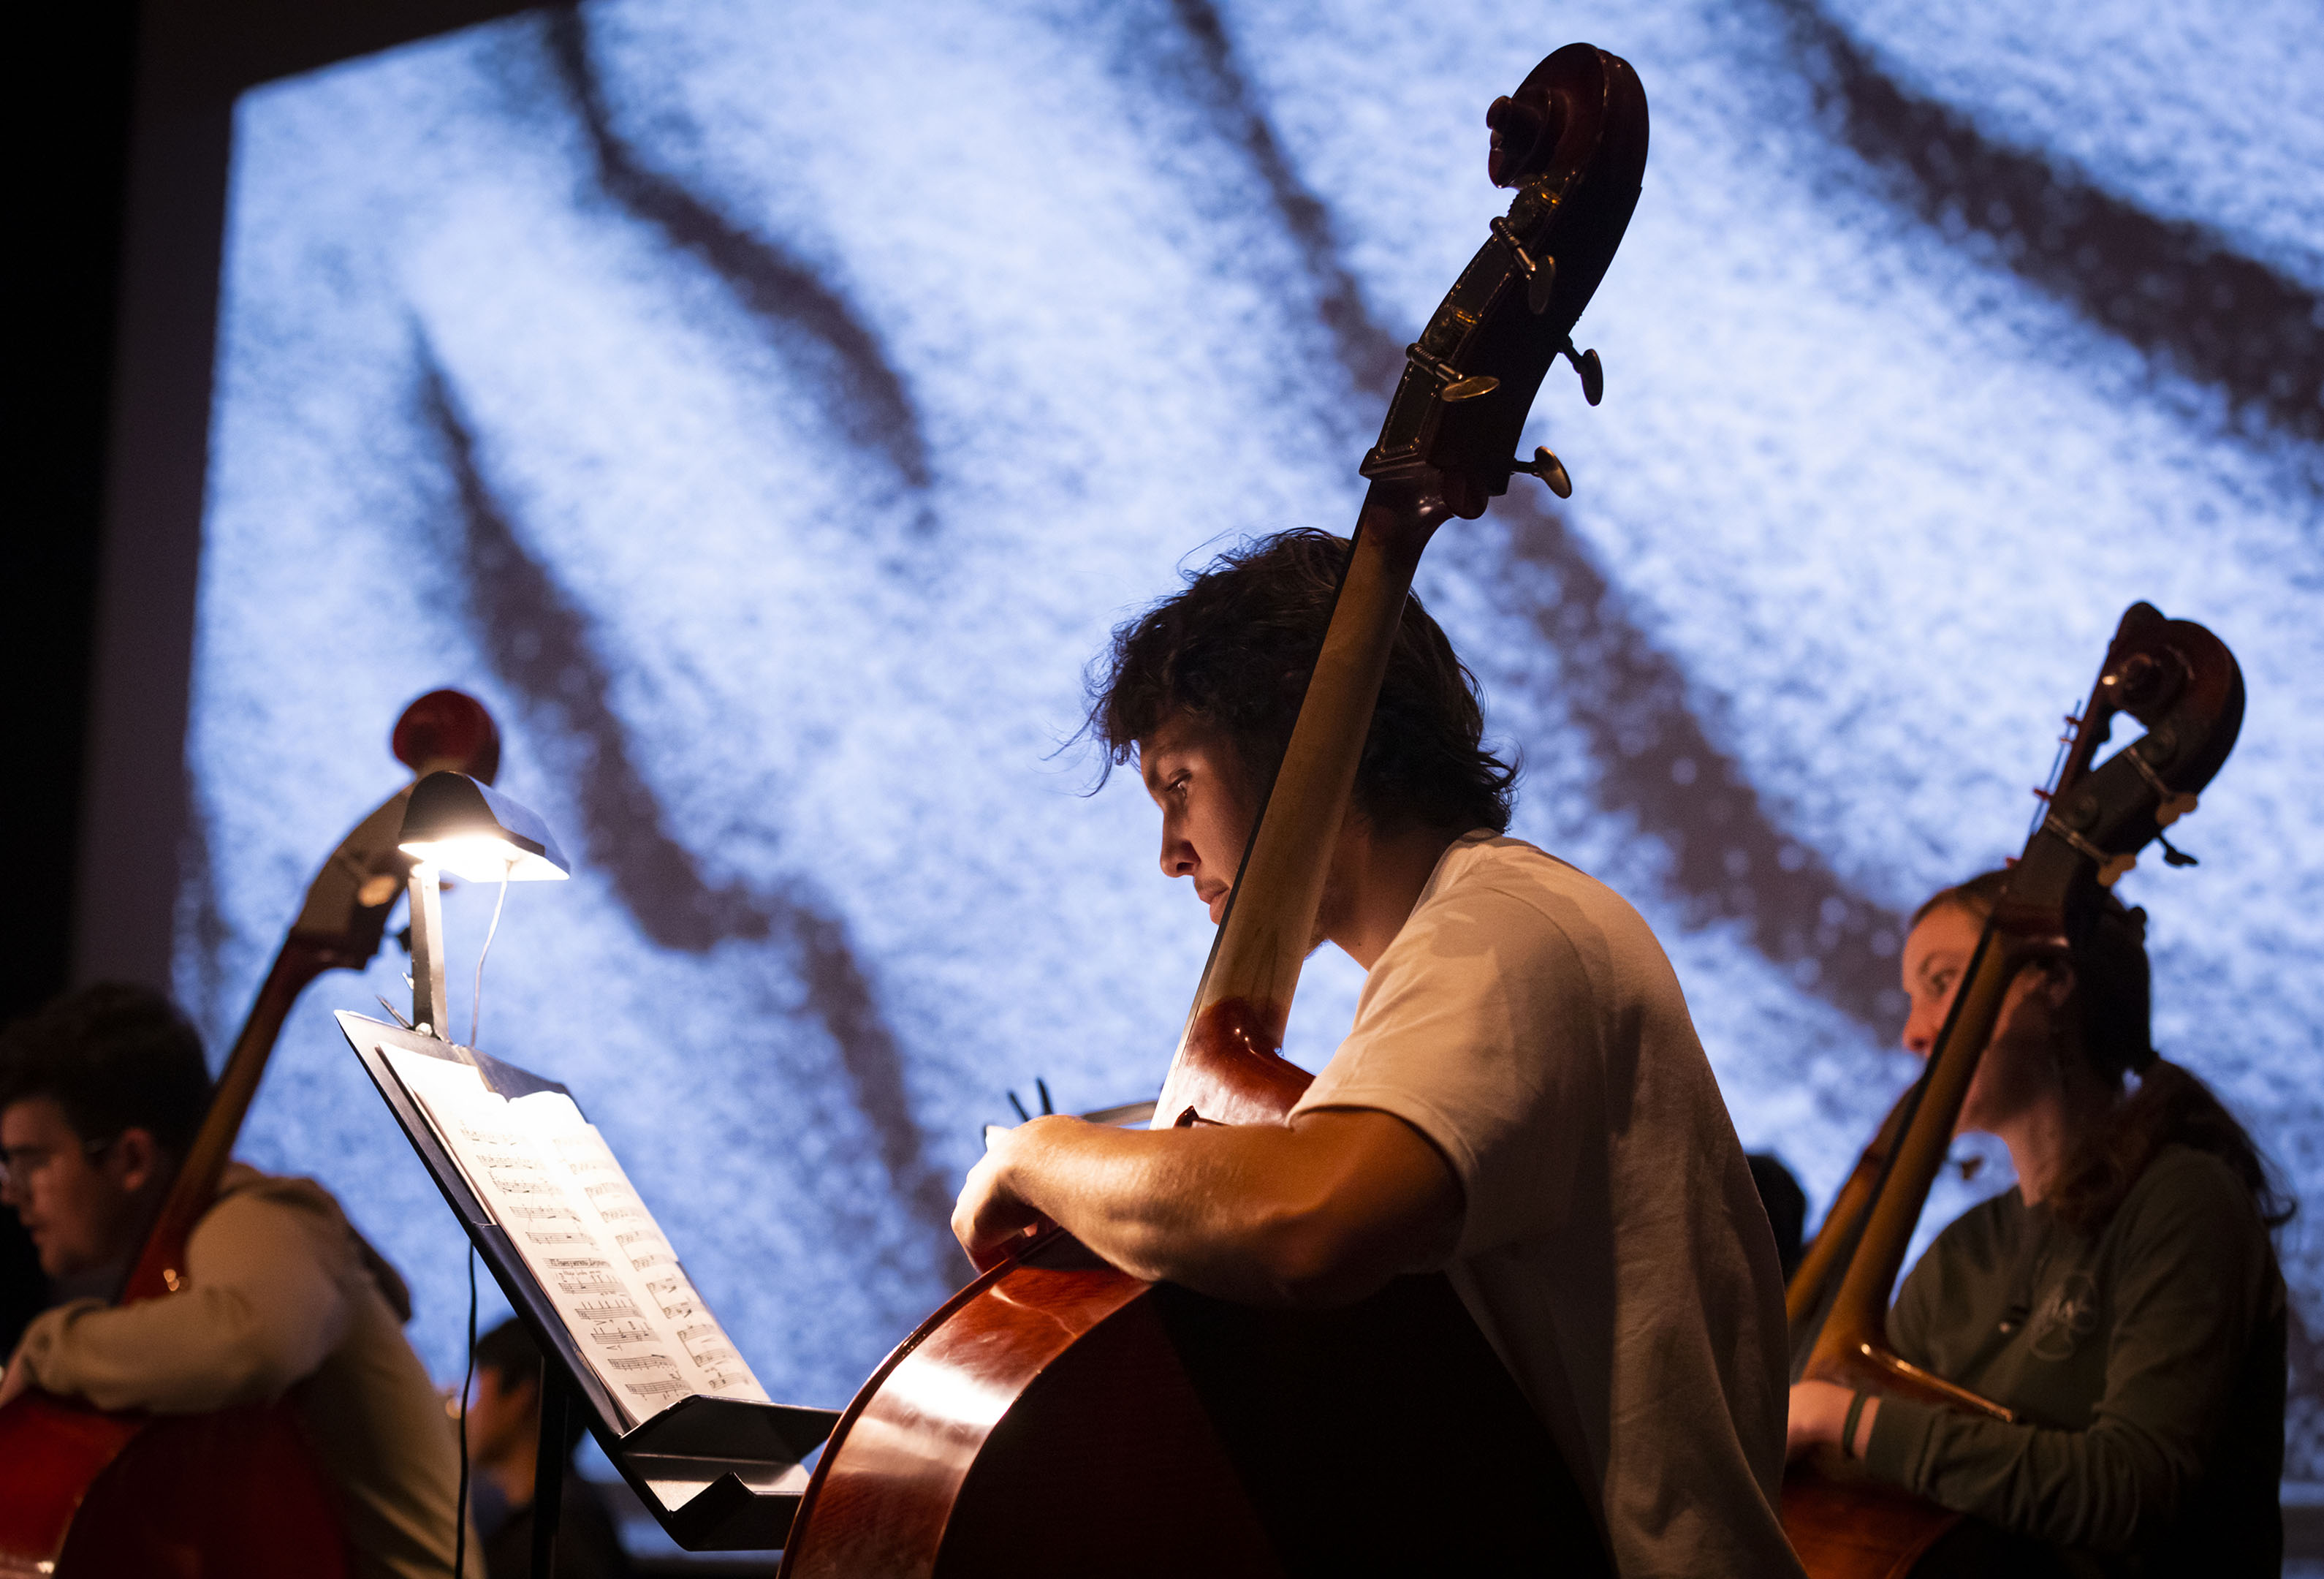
(454,824)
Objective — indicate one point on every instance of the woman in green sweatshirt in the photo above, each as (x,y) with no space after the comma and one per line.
(2124,1300)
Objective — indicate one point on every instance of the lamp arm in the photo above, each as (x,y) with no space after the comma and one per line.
(431,1010)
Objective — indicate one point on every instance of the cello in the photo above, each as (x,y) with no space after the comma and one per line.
(2181,682)
(1058,1415)
(95,1492)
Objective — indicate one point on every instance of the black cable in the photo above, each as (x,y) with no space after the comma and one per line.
(460,1510)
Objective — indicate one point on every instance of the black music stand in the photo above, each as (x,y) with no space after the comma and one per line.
(718,1474)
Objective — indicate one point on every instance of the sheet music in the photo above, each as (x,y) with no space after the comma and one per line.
(550,1181)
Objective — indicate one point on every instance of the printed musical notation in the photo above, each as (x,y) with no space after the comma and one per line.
(709,1348)
(646,1248)
(536,1213)
(513,1181)
(675,1295)
(516,1156)
(618,1303)
(615,1203)
(480,1135)
(585,1277)
(586,1155)
(648,1376)
(642,1362)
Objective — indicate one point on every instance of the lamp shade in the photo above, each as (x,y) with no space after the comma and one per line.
(453,822)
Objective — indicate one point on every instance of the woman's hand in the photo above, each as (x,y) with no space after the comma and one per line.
(1818,1413)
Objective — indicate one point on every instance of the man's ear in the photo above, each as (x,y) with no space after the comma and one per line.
(135,1158)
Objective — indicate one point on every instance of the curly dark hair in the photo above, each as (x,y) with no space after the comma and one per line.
(115,1057)
(2171,1104)
(1235,650)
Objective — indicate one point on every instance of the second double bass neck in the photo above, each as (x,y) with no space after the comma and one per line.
(2182,683)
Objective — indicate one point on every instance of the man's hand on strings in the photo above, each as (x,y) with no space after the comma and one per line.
(991,1216)
(1317,1213)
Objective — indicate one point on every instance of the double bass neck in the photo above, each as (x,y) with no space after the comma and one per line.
(1227,1070)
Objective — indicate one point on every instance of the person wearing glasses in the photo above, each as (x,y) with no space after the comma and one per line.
(100,1094)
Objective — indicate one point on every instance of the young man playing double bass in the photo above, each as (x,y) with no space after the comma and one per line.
(100,1092)
(1521,1100)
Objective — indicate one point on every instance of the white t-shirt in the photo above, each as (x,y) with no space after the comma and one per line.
(1612,1245)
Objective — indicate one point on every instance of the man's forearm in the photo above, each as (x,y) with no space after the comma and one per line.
(1161,1204)
(192,1352)
(264,1311)
(1315,1215)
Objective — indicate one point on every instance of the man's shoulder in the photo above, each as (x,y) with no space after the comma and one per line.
(251,1202)
(1489,868)
(247,1185)
(1481,854)
(1531,906)
(252,1206)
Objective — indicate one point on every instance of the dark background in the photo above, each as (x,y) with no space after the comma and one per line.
(76,194)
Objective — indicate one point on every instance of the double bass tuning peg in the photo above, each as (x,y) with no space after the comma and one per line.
(1593,371)
(1549,469)
(1541,277)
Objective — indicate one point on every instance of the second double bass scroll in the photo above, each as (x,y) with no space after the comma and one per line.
(1058,1415)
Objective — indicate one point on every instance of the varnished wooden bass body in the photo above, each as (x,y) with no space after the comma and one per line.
(93,1493)
(1058,1417)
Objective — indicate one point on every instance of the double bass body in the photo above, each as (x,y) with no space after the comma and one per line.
(1080,1420)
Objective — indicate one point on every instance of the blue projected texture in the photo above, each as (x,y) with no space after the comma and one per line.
(768,410)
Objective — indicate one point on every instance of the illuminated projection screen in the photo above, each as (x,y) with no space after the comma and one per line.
(768,411)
